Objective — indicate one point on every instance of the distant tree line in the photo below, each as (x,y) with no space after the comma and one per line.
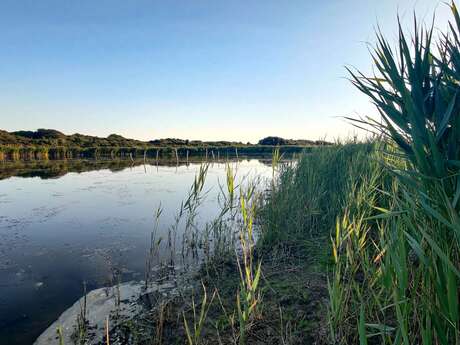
(54,138)
(277,141)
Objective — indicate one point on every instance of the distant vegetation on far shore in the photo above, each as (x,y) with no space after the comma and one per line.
(53,144)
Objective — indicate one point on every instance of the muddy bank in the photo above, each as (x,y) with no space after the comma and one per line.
(117,303)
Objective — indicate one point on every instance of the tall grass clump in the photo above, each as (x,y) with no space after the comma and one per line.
(308,195)
(397,246)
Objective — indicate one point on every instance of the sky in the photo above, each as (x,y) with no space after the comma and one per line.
(198,69)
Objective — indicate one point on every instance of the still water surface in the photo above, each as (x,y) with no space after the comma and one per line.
(59,228)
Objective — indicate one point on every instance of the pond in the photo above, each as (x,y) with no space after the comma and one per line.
(65,223)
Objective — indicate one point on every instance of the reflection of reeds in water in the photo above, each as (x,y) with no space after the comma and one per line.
(58,168)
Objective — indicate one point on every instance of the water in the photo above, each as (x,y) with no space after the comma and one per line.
(62,223)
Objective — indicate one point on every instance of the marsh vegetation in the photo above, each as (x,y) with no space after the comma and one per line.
(352,243)
(357,243)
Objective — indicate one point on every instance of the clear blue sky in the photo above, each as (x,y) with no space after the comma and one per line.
(195,69)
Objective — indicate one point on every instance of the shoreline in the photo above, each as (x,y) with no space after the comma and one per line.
(178,153)
(119,303)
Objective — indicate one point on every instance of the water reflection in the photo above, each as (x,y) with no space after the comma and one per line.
(47,169)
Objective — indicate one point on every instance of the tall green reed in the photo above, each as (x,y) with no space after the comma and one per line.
(309,194)
(407,290)
(248,296)
(194,335)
